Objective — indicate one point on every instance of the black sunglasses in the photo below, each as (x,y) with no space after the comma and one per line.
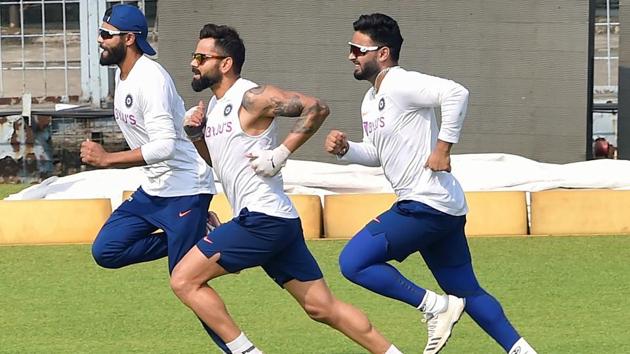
(201,58)
(107,33)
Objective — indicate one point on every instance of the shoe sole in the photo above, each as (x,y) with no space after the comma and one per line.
(450,330)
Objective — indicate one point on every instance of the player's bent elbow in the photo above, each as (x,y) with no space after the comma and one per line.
(169,150)
(462,92)
(158,150)
(321,111)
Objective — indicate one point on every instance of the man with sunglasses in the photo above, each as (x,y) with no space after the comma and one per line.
(238,135)
(400,133)
(179,184)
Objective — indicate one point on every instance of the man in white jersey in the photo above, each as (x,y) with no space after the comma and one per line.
(239,136)
(150,113)
(400,133)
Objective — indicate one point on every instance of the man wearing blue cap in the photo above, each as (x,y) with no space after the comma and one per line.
(149,112)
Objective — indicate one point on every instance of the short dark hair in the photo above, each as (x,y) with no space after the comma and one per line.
(383,30)
(228,40)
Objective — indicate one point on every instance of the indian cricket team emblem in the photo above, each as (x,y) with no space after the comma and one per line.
(381,104)
(227,109)
(128,101)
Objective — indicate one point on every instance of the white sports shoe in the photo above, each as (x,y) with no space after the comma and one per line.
(441,324)
(522,347)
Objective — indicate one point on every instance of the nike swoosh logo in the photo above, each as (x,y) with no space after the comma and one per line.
(205,238)
(184,213)
(273,165)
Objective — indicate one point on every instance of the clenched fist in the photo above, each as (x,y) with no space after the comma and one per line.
(336,143)
(195,122)
(93,153)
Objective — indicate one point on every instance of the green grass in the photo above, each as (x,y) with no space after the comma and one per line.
(8,189)
(564,294)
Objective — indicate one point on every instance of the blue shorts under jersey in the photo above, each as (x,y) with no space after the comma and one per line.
(255,239)
(128,235)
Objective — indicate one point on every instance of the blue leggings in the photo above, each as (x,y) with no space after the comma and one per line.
(127,238)
(410,227)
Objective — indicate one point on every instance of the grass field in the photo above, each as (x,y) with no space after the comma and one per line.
(565,294)
(7,189)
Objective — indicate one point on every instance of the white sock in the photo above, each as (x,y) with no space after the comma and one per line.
(242,345)
(393,350)
(522,347)
(433,303)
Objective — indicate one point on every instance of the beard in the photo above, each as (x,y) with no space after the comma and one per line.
(114,55)
(369,70)
(204,81)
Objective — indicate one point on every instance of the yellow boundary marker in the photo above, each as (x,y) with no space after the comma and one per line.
(346,214)
(580,211)
(52,221)
(496,213)
(490,213)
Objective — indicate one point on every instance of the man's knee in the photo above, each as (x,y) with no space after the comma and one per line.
(345,263)
(320,310)
(348,264)
(351,261)
(102,256)
(180,285)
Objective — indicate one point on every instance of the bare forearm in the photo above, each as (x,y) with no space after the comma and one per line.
(306,126)
(129,158)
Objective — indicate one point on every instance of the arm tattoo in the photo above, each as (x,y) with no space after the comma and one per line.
(303,126)
(250,95)
(313,119)
(293,107)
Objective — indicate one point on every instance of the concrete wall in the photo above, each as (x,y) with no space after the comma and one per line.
(525,62)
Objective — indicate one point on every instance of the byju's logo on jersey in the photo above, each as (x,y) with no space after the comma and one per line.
(227,109)
(128,101)
(381,104)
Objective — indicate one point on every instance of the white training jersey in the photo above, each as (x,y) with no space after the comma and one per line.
(147,107)
(400,131)
(228,144)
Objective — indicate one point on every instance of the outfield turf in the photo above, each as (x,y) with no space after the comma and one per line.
(565,294)
(8,189)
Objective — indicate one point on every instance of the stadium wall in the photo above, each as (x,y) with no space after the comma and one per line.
(524,62)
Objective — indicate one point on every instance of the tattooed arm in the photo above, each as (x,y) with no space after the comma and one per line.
(264,103)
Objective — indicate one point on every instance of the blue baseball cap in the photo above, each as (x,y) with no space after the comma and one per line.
(130,18)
